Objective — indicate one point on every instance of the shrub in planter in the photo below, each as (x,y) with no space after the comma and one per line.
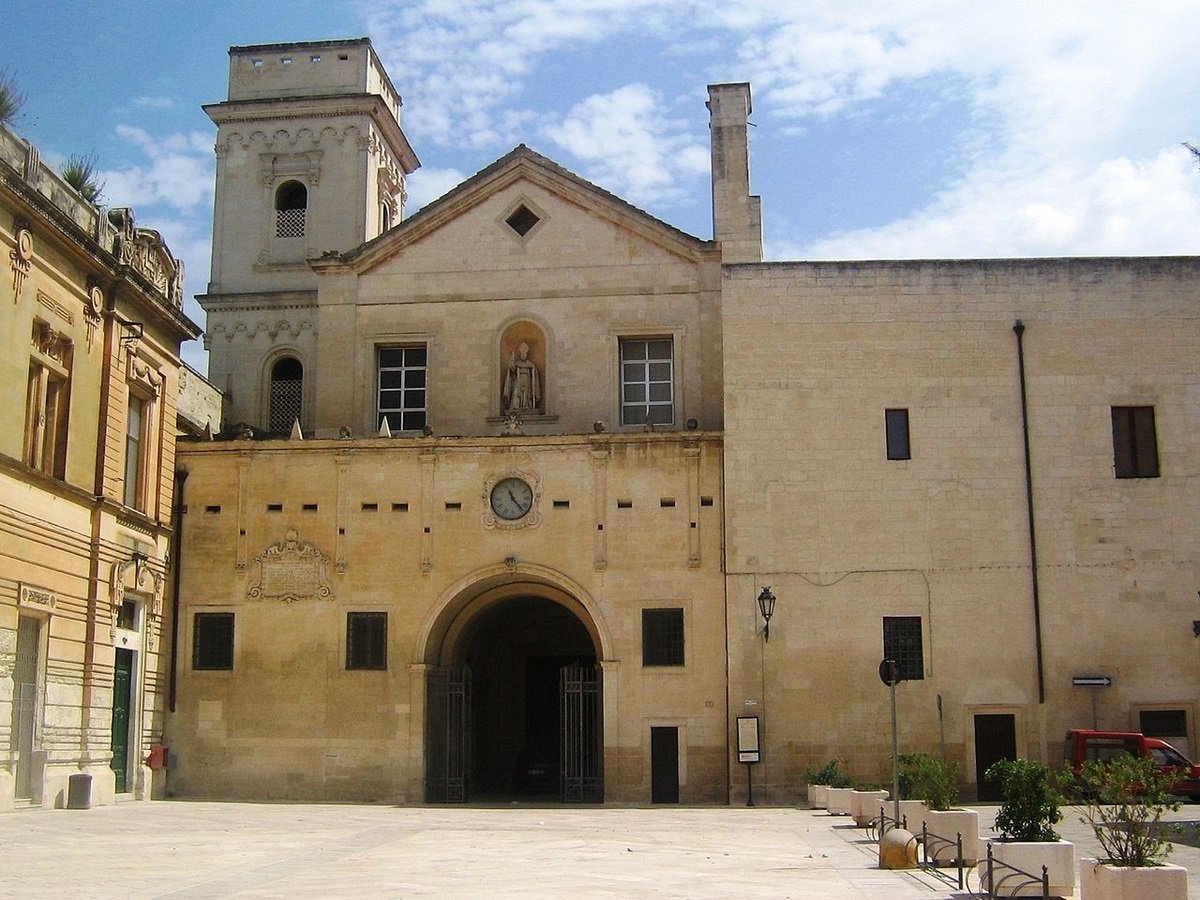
(1125,800)
(928,778)
(1030,808)
(820,780)
(935,781)
(1027,816)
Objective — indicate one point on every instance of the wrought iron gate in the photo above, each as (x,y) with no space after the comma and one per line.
(447,735)
(582,753)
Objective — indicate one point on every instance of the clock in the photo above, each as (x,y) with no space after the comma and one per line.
(512,498)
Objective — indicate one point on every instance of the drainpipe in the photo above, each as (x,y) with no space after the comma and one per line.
(176,558)
(1019,331)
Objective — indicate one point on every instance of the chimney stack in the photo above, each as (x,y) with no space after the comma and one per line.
(737,215)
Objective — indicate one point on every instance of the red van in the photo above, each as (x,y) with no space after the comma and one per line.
(1084,745)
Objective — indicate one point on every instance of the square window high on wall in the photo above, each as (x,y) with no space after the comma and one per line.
(366,640)
(212,641)
(647,381)
(662,637)
(1135,444)
(403,388)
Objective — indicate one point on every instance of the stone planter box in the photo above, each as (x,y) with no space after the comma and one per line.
(948,823)
(1102,881)
(1029,856)
(912,811)
(837,801)
(818,795)
(864,806)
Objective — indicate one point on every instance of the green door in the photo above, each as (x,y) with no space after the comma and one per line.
(122,697)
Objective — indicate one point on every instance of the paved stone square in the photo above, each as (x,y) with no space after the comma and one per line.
(246,850)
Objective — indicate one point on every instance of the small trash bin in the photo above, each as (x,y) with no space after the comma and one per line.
(79,791)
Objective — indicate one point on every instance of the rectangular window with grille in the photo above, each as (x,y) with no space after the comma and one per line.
(647,381)
(1135,444)
(902,642)
(366,640)
(662,637)
(212,641)
(402,388)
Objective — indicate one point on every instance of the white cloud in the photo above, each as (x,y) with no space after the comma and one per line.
(1120,207)
(426,185)
(179,173)
(153,102)
(629,145)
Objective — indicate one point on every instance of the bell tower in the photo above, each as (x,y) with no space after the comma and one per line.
(310,157)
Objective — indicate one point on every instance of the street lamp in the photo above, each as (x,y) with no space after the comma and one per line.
(766,606)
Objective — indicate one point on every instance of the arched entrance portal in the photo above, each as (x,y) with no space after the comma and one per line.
(514,712)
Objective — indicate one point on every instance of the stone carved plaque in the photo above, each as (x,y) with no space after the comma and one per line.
(289,571)
(36,598)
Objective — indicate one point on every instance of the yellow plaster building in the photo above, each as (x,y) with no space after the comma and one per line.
(510,475)
(91,324)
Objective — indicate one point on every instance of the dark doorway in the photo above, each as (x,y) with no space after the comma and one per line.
(122,701)
(514,655)
(995,739)
(664,764)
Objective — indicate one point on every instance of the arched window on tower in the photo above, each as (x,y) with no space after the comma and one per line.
(291,206)
(287,394)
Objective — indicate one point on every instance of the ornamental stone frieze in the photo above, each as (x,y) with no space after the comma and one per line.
(289,571)
(144,250)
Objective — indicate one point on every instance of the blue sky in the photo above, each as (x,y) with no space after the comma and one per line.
(882,129)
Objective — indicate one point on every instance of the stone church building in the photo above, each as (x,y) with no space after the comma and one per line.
(512,473)
(532,495)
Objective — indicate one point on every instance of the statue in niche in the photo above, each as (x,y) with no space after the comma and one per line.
(522,385)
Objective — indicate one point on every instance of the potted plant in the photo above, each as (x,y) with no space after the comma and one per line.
(1026,820)
(1124,800)
(821,780)
(935,781)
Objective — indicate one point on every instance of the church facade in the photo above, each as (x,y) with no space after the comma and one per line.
(512,481)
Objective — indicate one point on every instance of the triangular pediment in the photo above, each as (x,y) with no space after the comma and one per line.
(519,194)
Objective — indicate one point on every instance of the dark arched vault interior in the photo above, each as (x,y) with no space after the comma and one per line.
(515,650)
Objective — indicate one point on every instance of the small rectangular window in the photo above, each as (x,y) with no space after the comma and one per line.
(402,397)
(366,640)
(902,642)
(127,615)
(896,426)
(662,637)
(647,382)
(1135,444)
(212,641)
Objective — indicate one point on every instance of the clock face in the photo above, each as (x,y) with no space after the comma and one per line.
(512,498)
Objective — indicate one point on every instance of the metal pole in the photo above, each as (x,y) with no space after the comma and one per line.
(749,785)
(895,760)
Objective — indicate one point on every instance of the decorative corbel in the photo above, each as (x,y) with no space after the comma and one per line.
(22,257)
